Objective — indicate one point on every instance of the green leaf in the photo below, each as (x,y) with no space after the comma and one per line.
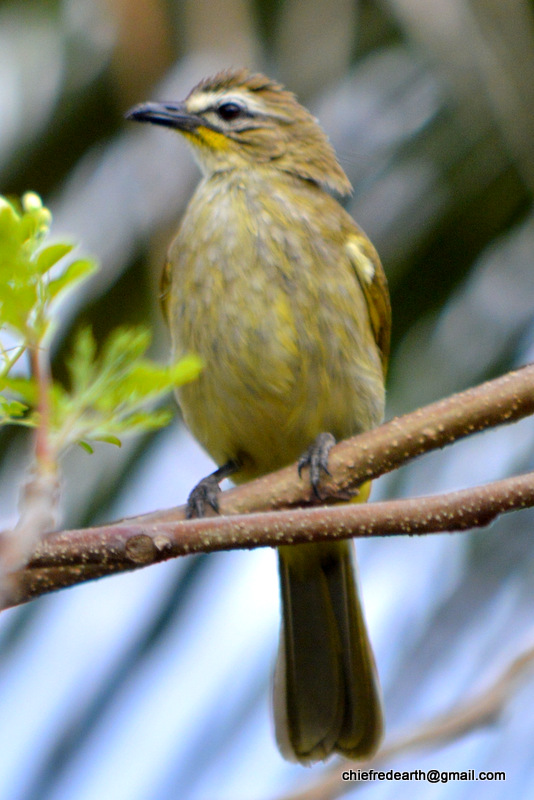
(12,408)
(32,203)
(86,446)
(76,271)
(50,255)
(17,304)
(80,361)
(23,387)
(187,369)
(9,221)
(110,440)
(35,221)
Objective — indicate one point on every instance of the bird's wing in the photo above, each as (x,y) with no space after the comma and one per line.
(372,280)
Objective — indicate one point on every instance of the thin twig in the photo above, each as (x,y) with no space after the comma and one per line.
(9,363)
(40,493)
(40,369)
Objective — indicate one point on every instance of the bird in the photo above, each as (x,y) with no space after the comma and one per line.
(283,297)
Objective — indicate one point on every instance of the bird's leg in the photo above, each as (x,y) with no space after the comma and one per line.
(316,458)
(206,492)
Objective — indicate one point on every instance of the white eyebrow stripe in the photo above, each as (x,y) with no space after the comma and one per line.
(203,100)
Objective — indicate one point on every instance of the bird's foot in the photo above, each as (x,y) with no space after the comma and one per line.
(206,492)
(316,458)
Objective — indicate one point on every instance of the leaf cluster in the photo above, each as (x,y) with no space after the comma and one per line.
(111,392)
(32,273)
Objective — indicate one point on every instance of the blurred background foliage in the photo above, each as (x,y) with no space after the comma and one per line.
(155,685)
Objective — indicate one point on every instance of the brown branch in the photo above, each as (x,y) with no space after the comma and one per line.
(62,558)
(483,709)
(70,557)
(501,401)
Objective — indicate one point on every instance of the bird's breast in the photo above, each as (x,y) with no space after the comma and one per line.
(266,303)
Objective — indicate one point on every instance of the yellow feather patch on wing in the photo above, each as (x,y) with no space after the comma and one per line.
(370,274)
(366,267)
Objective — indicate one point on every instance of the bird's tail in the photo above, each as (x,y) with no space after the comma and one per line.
(327,694)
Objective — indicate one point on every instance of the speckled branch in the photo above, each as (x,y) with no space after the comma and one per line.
(70,557)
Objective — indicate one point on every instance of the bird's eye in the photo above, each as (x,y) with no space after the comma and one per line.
(229,111)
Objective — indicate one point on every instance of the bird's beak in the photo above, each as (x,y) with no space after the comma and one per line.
(171,115)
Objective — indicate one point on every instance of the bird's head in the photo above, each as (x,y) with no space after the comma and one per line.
(238,120)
